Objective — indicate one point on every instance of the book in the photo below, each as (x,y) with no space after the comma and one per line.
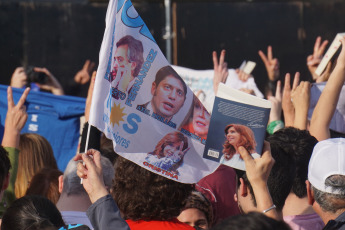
(238,119)
(329,54)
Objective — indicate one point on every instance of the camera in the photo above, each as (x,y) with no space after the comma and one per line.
(34,76)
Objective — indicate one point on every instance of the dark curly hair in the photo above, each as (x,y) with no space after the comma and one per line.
(247,140)
(143,195)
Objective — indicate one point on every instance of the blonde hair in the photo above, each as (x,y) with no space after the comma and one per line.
(35,154)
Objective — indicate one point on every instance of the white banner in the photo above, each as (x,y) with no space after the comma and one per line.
(141,103)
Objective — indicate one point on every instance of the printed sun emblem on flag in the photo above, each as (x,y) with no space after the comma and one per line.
(116,114)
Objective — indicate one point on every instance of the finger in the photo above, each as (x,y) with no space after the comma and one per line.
(269,53)
(317,45)
(287,83)
(78,157)
(215,60)
(245,155)
(86,65)
(91,67)
(278,91)
(222,57)
(10,102)
(81,170)
(263,57)
(23,97)
(89,163)
(96,157)
(322,48)
(296,80)
(266,151)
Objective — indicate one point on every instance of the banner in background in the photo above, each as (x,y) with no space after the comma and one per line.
(143,105)
(57,118)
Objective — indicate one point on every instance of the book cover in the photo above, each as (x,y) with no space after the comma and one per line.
(329,54)
(238,119)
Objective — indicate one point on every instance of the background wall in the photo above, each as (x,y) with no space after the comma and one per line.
(61,35)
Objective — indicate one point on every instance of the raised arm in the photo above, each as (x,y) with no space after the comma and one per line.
(257,171)
(271,64)
(288,108)
(103,213)
(325,107)
(314,59)
(15,119)
(221,71)
(52,84)
(300,98)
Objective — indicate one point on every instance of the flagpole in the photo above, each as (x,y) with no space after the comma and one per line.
(168,35)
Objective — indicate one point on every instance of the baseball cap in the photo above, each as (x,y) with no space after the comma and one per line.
(327,159)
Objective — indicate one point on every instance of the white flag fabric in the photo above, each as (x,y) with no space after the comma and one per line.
(141,103)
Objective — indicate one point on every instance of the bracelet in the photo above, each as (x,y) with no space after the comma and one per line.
(269,209)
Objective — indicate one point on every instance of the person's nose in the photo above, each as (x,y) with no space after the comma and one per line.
(172,94)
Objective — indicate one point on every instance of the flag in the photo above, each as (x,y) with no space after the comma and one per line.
(143,106)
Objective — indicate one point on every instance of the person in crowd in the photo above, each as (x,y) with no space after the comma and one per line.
(16,118)
(45,183)
(37,78)
(251,221)
(279,182)
(198,122)
(220,189)
(35,212)
(314,59)
(169,152)
(273,71)
(5,166)
(128,60)
(149,201)
(197,211)
(297,212)
(74,200)
(35,154)
(169,93)
(326,182)
(237,135)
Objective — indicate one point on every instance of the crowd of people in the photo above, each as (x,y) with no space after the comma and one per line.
(297,182)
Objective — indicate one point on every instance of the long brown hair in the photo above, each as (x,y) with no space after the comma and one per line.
(35,154)
(247,140)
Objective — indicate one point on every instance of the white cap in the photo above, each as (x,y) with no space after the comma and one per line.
(328,159)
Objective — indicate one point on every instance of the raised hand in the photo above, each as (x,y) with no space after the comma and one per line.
(276,109)
(221,71)
(300,98)
(271,64)
(288,108)
(92,174)
(15,119)
(258,171)
(242,75)
(314,59)
(52,84)
(83,75)
(19,78)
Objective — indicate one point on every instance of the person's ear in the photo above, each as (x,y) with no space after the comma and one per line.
(310,193)
(60,183)
(133,66)
(243,189)
(153,88)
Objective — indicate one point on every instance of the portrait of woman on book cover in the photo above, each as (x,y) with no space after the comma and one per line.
(169,152)
(237,135)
